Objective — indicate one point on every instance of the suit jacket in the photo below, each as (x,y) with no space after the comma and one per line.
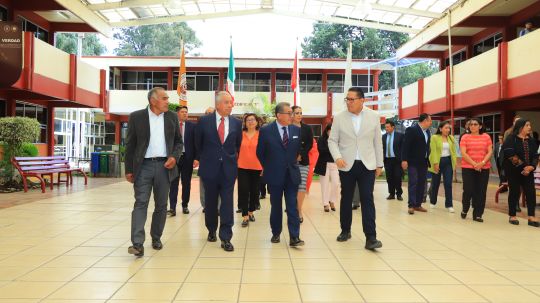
(213,155)
(276,159)
(138,138)
(415,149)
(398,142)
(324,156)
(344,143)
(189,142)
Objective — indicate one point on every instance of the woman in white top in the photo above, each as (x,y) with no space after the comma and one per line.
(442,159)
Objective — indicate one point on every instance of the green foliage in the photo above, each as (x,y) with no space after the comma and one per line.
(331,41)
(173,106)
(156,40)
(14,132)
(91,45)
(29,150)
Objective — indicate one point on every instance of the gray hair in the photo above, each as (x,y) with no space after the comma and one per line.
(152,93)
(209,110)
(221,94)
(280,106)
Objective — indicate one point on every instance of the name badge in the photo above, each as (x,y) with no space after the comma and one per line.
(295,137)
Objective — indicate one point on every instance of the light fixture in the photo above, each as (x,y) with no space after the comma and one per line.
(64,15)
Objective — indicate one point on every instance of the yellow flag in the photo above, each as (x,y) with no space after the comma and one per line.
(181,89)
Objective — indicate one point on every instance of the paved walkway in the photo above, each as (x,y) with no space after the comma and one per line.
(73,248)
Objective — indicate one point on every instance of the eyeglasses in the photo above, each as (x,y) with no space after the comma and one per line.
(288,113)
(351,99)
(251,120)
(473,124)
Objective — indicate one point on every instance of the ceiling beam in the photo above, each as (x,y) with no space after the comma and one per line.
(183,18)
(126,3)
(456,40)
(36,5)
(91,18)
(389,8)
(484,21)
(354,22)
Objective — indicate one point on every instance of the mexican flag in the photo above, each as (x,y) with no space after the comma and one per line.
(295,79)
(231,75)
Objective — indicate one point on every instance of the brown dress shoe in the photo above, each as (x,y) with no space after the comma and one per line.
(420,209)
(411,211)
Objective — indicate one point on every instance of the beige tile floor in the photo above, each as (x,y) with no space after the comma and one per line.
(73,248)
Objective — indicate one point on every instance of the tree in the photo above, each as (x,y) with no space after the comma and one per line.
(156,40)
(91,45)
(331,41)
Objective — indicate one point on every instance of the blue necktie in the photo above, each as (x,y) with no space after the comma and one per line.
(285,140)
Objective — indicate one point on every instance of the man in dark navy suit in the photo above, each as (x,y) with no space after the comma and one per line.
(414,156)
(277,149)
(185,164)
(217,141)
(392,142)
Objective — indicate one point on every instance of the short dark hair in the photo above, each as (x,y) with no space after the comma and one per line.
(443,124)
(178,108)
(359,92)
(280,106)
(481,131)
(423,116)
(390,122)
(244,127)
(153,91)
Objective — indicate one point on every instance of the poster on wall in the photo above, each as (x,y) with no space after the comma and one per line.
(10,53)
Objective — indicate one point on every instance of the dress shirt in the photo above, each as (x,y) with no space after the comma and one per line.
(156,145)
(226,122)
(280,129)
(357,122)
(390,145)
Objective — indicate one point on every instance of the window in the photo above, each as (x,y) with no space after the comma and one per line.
(143,80)
(283,82)
(487,44)
(35,112)
(3,13)
(311,83)
(457,58)
(39,32)
(316,129)
(491,125)
(252,82)
(110,132)
(199,81)
(3,105)
(336,82)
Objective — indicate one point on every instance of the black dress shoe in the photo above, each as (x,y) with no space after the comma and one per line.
(373,244)
(262,197)
(513,221)
(203,210)
(390,197)
(301,219)
(157,245)
(463,215)
(239,211)
(275,239)
(171,212)
(354,207)
(245,223)
(137,250)
(212,237)
(400,198)
(252,218)
(343,237)
(518,209)
(227,245)
(185,210)
(533,223)
(478,219)
(295,242)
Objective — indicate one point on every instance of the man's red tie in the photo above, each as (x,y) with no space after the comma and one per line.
(221,130)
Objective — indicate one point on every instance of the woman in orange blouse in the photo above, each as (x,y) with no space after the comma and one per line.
(249,169)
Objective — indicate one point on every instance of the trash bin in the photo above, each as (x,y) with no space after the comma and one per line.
(94,163)
(103,163)
(113,165)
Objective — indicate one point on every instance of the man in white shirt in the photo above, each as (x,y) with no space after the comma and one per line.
(355,143)
(153,147)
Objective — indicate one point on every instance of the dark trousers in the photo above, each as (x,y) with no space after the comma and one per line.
(417,184)
(277,192)
(365,179)
(500,171)
(248,189)
(262,188)
(447,173)
(394,172)
(224,188)
(516,183)
(186,171)
(152,177)
(474,188)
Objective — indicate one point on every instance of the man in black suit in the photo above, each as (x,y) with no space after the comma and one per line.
(414,156)
(186,163)
(278,149)
(218,137)
(392,142)
(153,147)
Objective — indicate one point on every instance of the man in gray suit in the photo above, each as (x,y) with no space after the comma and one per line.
(355,143)
(153,146)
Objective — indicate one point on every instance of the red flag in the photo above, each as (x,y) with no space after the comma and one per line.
(295,80)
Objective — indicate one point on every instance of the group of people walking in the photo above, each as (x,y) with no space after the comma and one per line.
(163,148)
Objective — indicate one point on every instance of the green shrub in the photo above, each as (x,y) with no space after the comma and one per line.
(29,150)
(14,132)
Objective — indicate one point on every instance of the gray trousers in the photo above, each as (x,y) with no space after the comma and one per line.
(203,196)
(153,176)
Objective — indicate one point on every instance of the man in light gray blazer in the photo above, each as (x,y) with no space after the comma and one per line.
(153,147)
(355,143)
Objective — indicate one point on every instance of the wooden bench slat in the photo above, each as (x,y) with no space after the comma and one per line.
(39,158)
(29,168)
(29,163)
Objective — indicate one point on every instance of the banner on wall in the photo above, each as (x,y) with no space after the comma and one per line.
(10,53)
